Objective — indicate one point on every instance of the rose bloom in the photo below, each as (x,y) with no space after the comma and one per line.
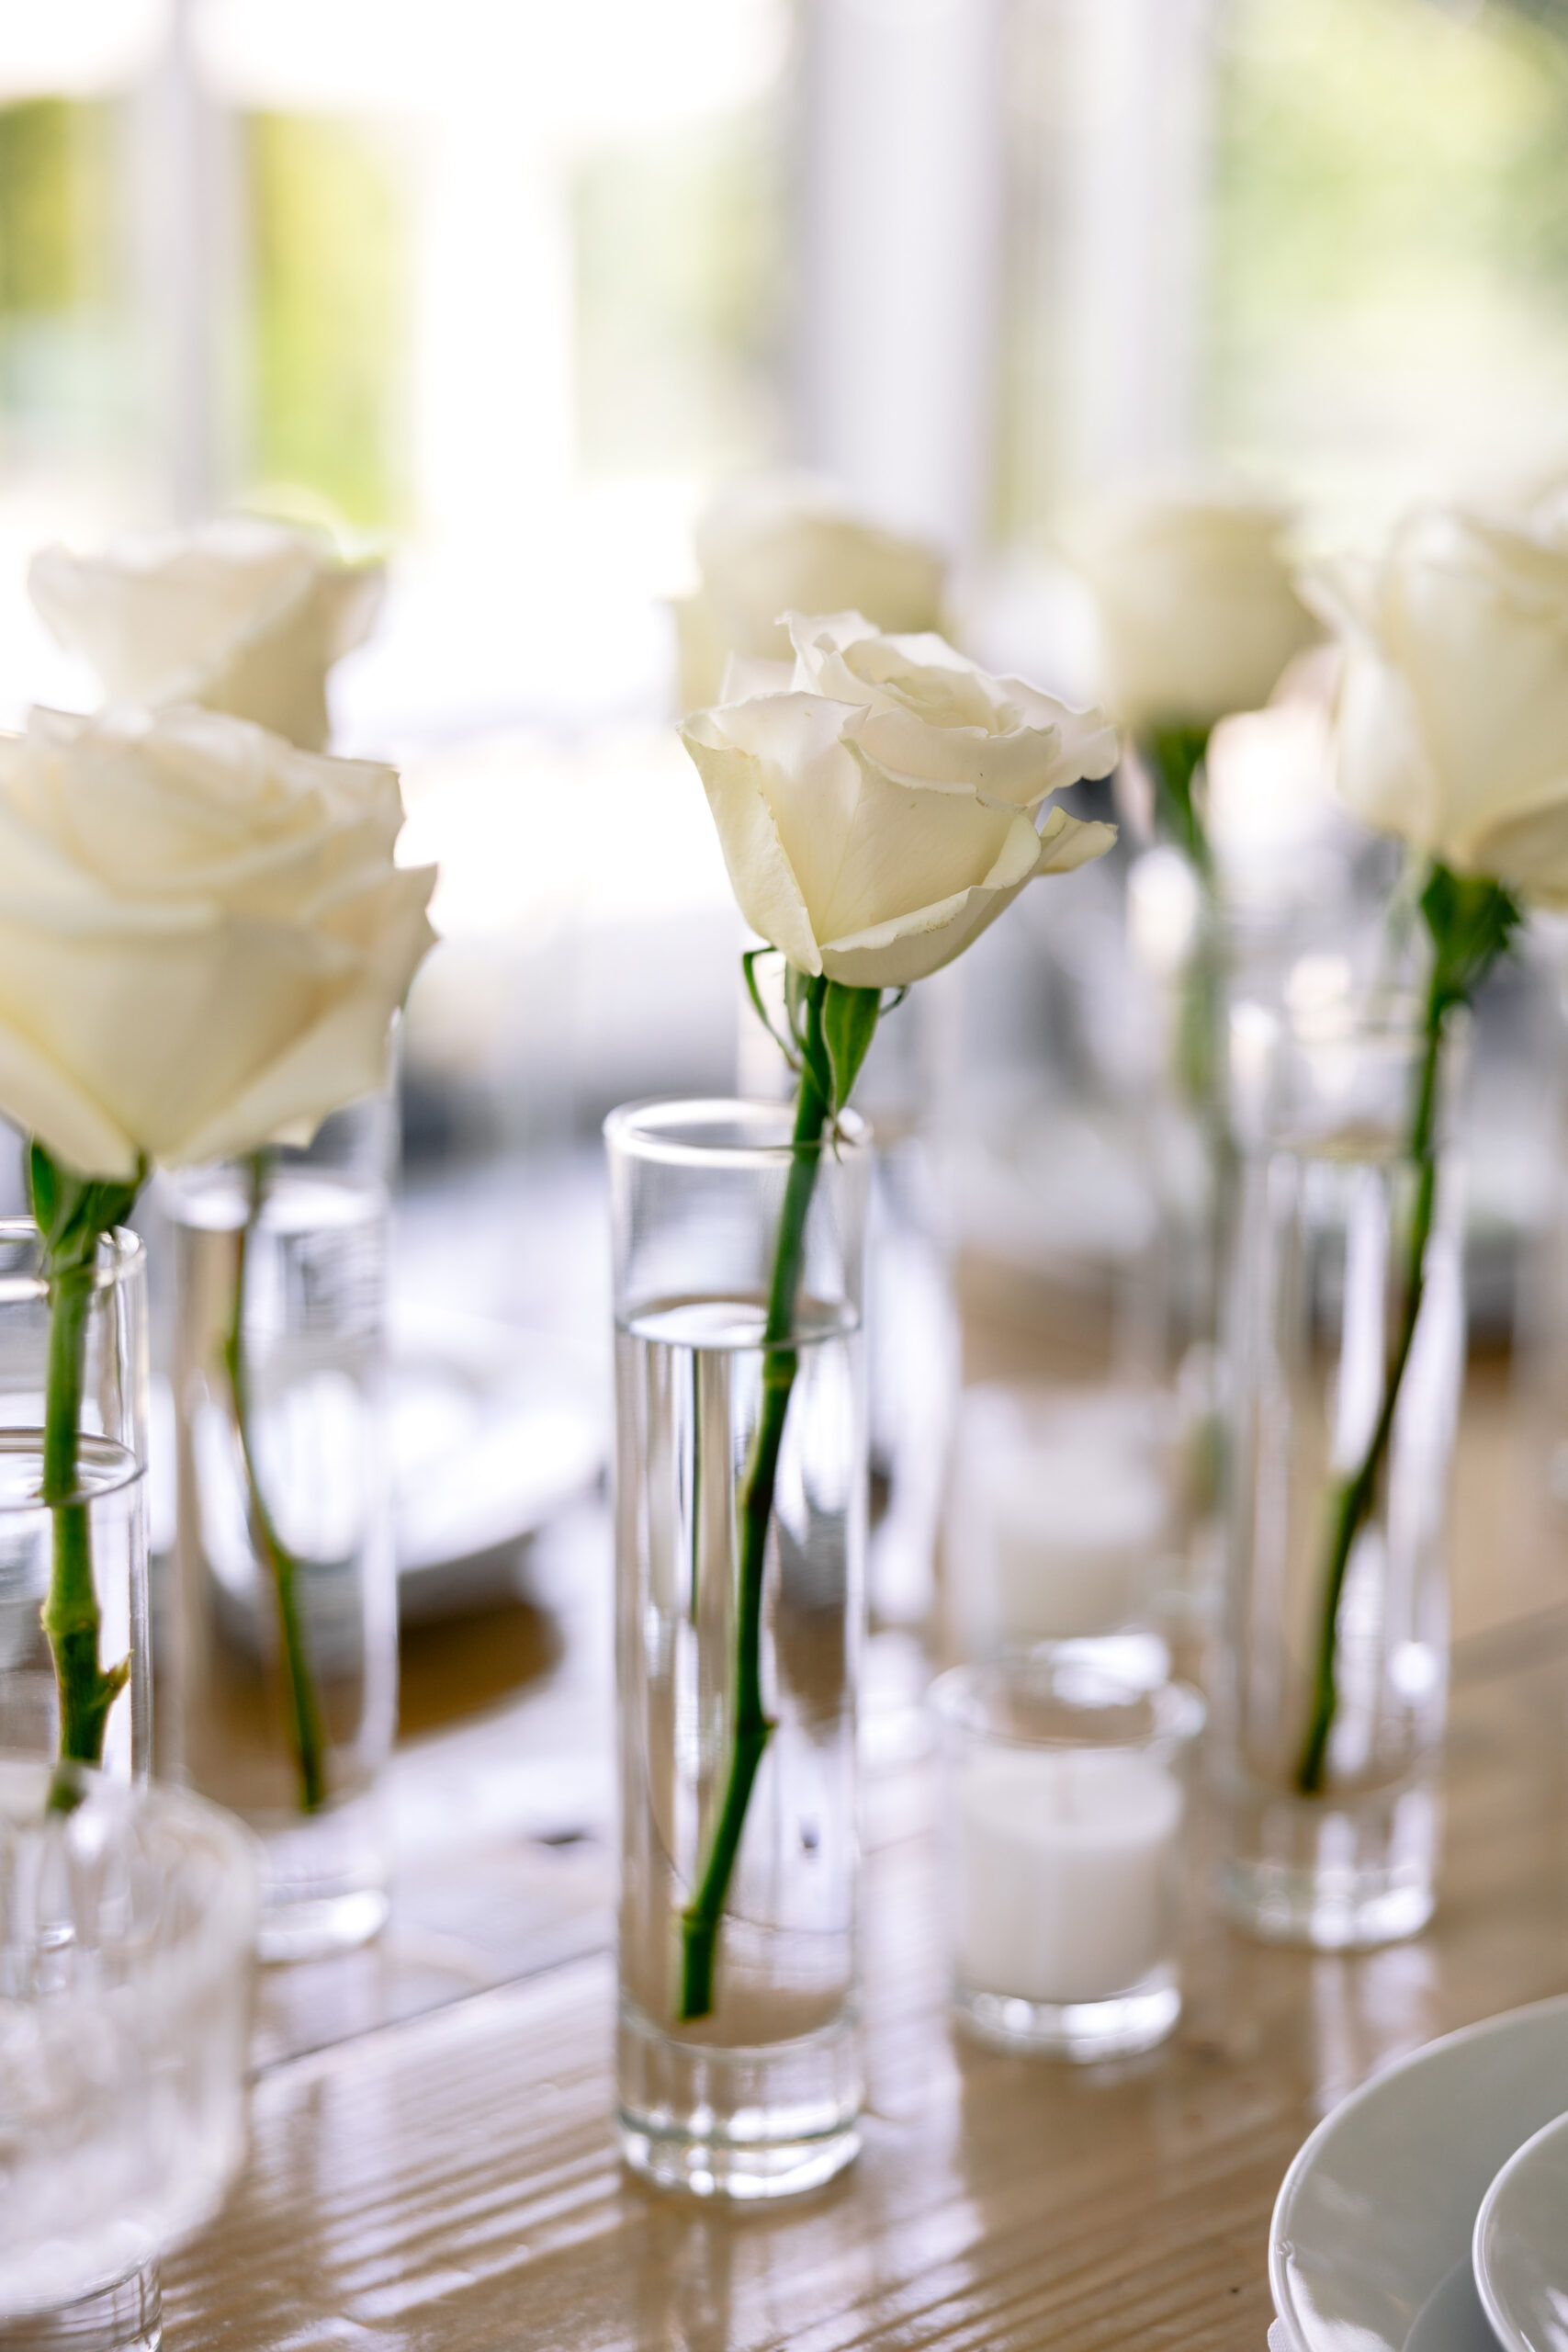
(777,545)
(1453,703)
(1198,612)
(877,816)
(203,936)
(242,616)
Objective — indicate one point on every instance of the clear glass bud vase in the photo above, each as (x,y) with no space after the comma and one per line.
(1182,947)
(284,1642)
(1345,1349)
(73,1623)
(757,2097)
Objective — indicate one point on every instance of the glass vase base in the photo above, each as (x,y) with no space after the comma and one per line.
(1079,2032)
(743,2171)
(324,1883)
(1333,1878)
(743,2123)
(314,1927)
(125,2317)
(1324,1910)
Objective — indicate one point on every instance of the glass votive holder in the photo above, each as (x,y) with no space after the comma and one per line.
(1064,1517)
(128,1923)
(1066,1797)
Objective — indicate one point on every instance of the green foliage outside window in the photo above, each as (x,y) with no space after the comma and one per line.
(45,258)
(1389,255)
(681,298)
(64,382)
(330,316)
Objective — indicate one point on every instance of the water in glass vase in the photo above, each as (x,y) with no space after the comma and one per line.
(111,1489)
(758,2096)
(1351,1861)
(289,1736)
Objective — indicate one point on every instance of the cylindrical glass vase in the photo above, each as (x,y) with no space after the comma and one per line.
(758,2096)
(101,1528)
(1180,946)
(1346,1352)
(284,1649)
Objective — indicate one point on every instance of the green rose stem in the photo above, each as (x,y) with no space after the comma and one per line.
(832,1026)
(1469,922)
(1175,754)
(71,1613)
(71,1213)
(304,1714)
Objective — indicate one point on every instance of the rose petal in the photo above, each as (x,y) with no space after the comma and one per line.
(1017,770)
(47,1101)
(244,616)
(1473,627)
(1198,612)
(760,870)
(1383,775)
(173,997)
(908,948)
(765,546)
(344,1055)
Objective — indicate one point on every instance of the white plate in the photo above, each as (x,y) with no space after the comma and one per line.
(494,1429)
(1380,2205)
(1522,2246)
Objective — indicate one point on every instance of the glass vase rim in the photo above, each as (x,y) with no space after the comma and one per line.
(121,1255)
(637,1130)
(1065,1674)
(1374,1015)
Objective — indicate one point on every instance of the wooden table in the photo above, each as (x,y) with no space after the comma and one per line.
(432,2161)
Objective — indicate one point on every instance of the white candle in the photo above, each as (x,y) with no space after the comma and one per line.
(1067,1871)
(1076,1534)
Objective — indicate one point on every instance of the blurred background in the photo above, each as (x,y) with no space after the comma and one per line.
(506,291)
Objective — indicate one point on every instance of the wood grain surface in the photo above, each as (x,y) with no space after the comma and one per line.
(432,2163)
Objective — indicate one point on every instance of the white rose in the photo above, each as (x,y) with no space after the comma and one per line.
(244,615)
(203,937)
(1453,702)
(879,815)
(774,546)
(1198,614)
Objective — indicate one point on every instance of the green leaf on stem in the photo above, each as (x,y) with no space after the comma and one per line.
(797,1002)
(1472,921)
(1175,755)
(748,965)
(43,1186)
(804,998)
(849,1024)
(70,1211)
